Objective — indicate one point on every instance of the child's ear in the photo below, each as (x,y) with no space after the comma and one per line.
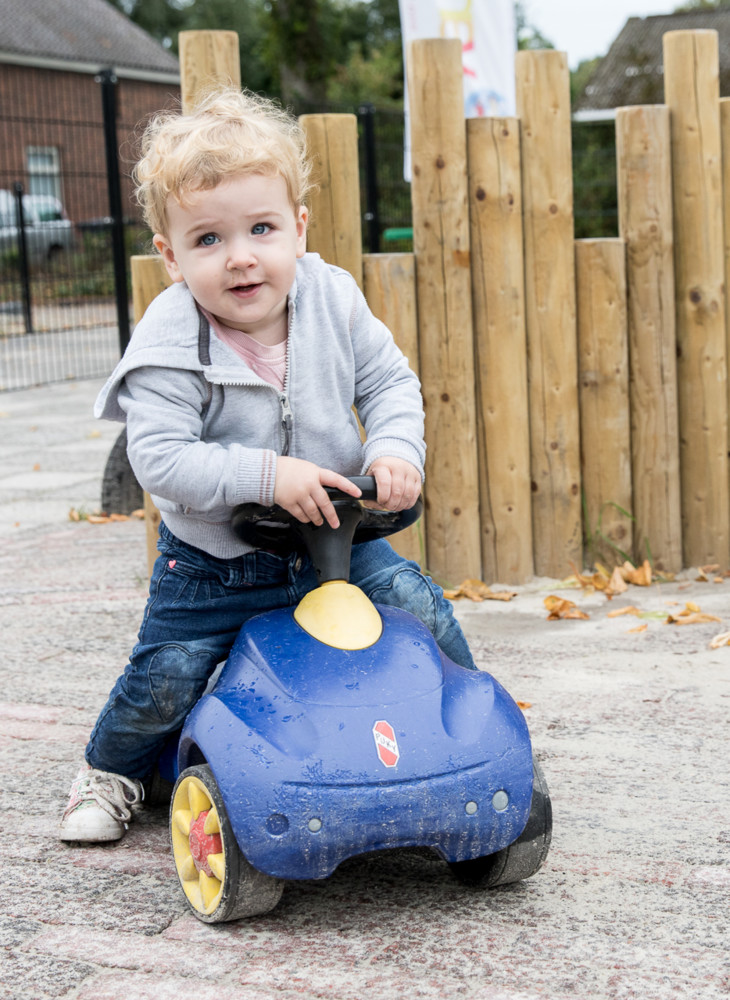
(302,219)
(168,256)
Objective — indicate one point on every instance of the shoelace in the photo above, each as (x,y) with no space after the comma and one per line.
(113,793)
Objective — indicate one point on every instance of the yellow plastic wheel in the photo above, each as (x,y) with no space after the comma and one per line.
(218,882)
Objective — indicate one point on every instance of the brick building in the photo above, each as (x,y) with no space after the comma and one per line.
(51,120)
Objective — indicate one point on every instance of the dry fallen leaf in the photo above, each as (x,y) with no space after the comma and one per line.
(617,584)
(98,519)
(561,607)
(639,576)
(639,628)
(477,590)
(631,610)
(691,614)
(524,704)
(595,581)
(723,639)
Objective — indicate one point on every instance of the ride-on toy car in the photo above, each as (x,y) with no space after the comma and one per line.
(338,728)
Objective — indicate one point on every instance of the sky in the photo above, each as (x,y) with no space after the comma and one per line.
(586,28)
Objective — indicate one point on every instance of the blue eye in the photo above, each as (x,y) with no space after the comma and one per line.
(209,240)
(261,228)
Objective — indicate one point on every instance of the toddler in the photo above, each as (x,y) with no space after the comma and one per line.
(238,385)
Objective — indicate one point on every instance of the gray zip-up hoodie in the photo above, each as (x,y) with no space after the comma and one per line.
(204,430)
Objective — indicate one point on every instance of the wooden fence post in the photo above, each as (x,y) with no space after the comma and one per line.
(207,58)
(443,279)
(149,278)
(335,229)
(603,369)
(646,226)
(691,83)
(498,296)
(390,288)
(543,103)
(725,138)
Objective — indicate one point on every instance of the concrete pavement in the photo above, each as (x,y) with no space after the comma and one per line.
(631,727)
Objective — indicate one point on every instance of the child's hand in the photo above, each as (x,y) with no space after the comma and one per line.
(299,488)
(399,483)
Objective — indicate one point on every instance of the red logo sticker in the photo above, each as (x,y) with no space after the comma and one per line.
(386,743)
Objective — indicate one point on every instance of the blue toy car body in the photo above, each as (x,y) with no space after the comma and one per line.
(305,754)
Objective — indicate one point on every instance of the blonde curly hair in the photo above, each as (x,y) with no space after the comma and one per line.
(228,132)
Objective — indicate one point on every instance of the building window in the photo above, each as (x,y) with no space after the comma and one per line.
(44,171)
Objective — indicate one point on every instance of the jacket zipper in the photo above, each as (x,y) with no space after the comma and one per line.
(287,418)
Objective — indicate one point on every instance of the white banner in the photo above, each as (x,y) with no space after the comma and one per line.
(487,32)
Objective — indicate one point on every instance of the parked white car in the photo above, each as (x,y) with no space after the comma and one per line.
(47,229)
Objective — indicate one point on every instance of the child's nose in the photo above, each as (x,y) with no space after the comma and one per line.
(241,255)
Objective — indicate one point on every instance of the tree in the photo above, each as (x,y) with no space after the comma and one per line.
(528,36)
(301,39)
(370,64)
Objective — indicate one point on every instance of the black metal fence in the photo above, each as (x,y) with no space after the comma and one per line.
(64,302)
(64,283)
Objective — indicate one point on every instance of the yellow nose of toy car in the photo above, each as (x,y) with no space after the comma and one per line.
(340,615)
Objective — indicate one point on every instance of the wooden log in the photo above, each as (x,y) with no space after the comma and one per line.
(543,103)
(691,86)
(646,226)
(207,59)
(725,139)
(390,288)
(498,297)
(441,244)
(335,229)
(603,378)
(149,278)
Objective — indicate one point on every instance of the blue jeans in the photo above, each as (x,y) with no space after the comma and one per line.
(195,609)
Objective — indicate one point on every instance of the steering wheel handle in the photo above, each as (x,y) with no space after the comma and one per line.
(276,530)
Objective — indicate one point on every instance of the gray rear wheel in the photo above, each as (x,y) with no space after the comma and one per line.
(524,856)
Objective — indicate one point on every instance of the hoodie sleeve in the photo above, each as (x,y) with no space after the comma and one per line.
(164,411)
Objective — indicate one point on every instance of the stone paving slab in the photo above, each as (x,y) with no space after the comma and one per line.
(631,728)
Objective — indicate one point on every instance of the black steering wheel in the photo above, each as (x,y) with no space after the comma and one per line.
(278,531)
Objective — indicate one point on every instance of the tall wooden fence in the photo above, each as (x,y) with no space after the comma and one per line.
(576,391)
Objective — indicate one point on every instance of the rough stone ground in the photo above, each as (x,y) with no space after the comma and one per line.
(632,730)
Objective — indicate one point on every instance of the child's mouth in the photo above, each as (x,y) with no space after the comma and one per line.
(245,291)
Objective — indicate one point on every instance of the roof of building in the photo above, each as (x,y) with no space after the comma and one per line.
(632,71)
(84,35)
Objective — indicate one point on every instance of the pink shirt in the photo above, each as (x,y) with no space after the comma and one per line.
(269,363)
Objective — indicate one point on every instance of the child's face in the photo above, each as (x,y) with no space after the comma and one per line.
(236,247)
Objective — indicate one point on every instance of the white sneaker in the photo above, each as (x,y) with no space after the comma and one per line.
(100,806)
